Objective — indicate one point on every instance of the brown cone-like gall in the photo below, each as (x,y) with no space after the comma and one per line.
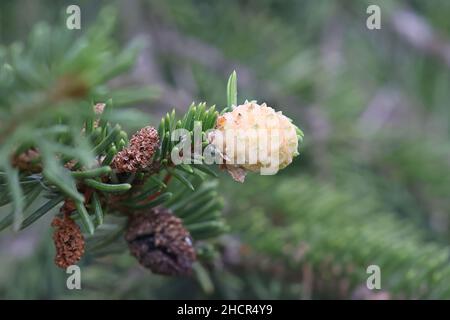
(160,242)
(69,241)
(139,153)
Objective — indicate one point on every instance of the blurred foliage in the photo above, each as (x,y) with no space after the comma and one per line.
(371,185)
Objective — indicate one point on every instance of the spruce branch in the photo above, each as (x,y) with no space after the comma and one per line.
(64,141)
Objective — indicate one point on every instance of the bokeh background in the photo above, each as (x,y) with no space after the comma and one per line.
(372,183)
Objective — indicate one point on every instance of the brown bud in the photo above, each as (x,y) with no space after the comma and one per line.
(69,241)
(69,86)
(139,153)
(99,107)
(98,110)
(160,242)
(27,161)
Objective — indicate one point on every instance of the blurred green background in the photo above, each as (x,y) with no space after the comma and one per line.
(371,185)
